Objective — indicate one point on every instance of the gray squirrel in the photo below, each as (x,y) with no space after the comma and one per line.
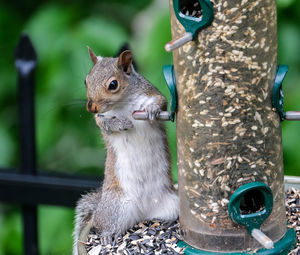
(137,182)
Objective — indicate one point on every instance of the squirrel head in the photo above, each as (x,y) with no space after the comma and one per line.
(108,81)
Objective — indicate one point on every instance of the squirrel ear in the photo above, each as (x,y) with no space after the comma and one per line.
(125,61)
(92,56)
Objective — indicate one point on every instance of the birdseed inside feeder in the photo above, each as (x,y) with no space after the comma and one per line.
(228,134)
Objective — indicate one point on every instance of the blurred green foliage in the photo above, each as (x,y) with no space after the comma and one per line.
(60,31)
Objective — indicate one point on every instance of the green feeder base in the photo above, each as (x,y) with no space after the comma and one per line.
(282,247)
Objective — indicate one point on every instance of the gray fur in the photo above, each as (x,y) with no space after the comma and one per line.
(112,124)
(135,188)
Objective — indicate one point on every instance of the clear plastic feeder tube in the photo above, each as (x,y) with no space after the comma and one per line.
(227,133)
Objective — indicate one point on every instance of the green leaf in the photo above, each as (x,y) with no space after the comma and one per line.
(285,3)
(55,228)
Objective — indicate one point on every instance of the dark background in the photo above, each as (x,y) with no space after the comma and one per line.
(67,138)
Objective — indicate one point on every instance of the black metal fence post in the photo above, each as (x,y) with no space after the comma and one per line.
(24,185)
(26,60)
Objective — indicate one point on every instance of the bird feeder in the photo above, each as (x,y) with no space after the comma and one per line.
(228,131)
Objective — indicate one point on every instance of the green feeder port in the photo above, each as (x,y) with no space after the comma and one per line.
(169,76)
(249,206)
(192,23)
(277,96)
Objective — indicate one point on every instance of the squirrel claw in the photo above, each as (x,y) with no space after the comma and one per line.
(151,116)
(153,111)
(110,124)
(105,240)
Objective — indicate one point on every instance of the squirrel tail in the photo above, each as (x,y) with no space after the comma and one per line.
(83,237)
(84,220)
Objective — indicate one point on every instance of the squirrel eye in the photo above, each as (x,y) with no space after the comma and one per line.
(113,85)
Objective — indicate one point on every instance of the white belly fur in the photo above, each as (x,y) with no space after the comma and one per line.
(142,169)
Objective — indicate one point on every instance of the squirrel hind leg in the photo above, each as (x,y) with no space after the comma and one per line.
(167,208)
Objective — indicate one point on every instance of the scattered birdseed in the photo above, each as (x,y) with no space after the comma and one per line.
(147,237)
(156,237)
(292,198)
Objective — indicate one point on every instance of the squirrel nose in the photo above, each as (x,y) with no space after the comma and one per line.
(91,107)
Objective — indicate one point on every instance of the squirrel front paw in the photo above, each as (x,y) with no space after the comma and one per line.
(153,110)
(111,124)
